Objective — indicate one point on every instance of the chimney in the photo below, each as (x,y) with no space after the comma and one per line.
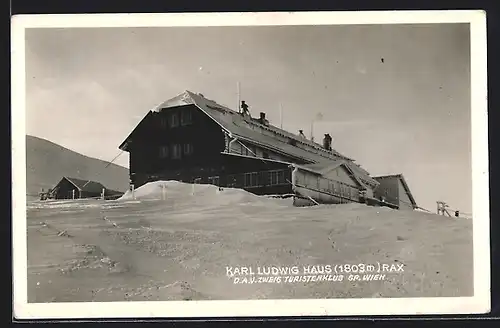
(327,142)
(262,118)
(301,134)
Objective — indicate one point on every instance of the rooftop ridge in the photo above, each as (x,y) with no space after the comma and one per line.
(276,130)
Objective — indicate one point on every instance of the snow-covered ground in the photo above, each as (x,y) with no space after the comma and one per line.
(167,242)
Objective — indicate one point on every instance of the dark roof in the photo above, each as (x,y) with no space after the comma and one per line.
(250,130)
(86,185)
(403,181)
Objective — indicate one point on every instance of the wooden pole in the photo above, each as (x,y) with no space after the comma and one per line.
(312,128)
(281,116)
(238,93)
(194,184)
(109,163)
(312,200)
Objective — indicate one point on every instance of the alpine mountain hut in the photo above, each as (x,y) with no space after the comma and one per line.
(190,138)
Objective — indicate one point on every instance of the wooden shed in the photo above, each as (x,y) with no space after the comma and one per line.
(74,188)
(393,191)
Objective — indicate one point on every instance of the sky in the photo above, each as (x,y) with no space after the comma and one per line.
(396,98)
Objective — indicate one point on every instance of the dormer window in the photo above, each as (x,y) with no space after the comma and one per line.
(163,122)
(186,117)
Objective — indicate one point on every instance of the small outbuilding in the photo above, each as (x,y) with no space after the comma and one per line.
(73,188)
(393,191)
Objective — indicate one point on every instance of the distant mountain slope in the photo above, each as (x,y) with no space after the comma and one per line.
(48,162)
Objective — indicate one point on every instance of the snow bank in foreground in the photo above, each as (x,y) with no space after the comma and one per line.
(201,193)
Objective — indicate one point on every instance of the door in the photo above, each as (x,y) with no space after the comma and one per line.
(214,180)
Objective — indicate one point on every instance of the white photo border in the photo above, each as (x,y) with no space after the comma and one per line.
(479,303)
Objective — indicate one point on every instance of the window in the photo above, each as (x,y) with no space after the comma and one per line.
(245,151)
(188,149)
(251,179)
(186,117)
(176,151)
(274,177)
(281,177)
(354,193)
(174,120)
(163,151)
(277,177)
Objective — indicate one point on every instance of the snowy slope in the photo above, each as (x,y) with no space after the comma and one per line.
(168,244)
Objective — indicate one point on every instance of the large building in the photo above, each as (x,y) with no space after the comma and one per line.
(190,138)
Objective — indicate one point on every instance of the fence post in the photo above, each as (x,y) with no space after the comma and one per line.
(163,191)
(102,193)
(133,191)
(194,184)
(73,194)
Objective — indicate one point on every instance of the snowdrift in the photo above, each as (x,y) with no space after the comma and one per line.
(196,193)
